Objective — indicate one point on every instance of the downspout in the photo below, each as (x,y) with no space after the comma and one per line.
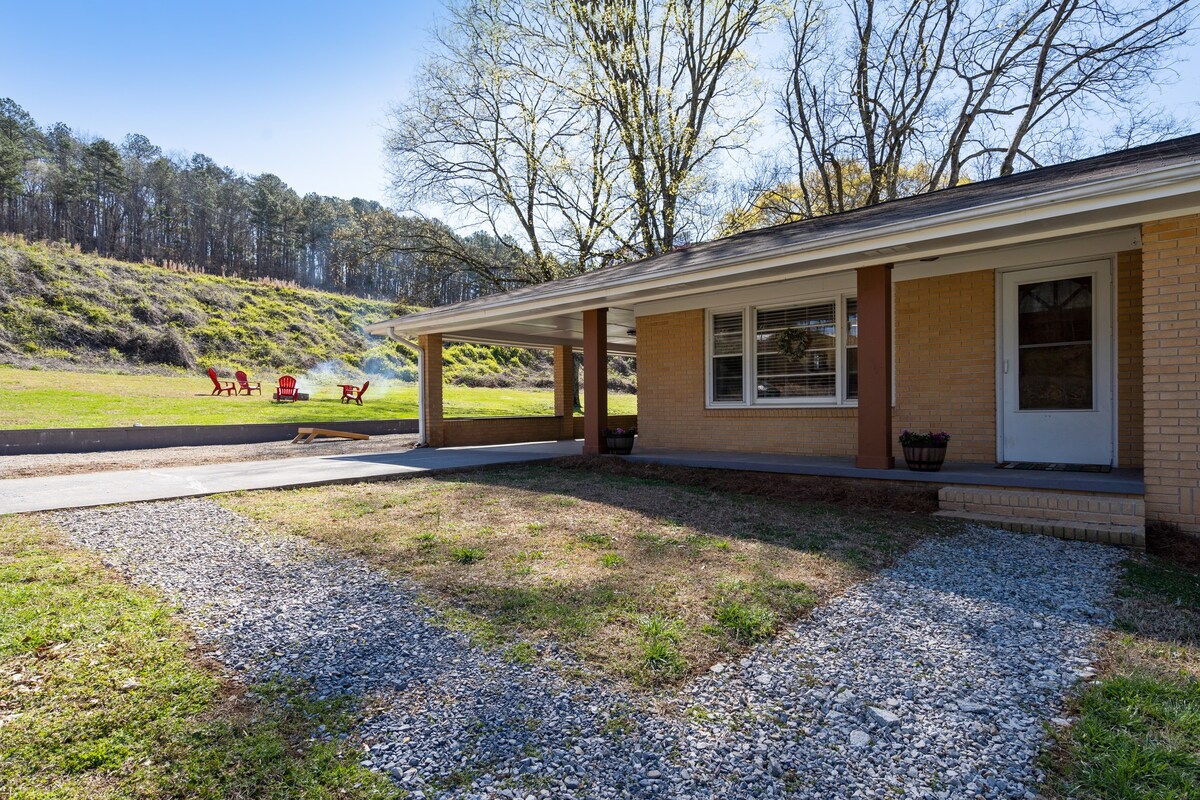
(421,442)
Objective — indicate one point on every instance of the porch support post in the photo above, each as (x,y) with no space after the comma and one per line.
(564,390)
(875,368)
(431,385)
(595,380)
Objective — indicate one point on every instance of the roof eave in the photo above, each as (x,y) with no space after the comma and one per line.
(854,247)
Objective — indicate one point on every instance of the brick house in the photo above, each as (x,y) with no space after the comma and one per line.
(1051,316)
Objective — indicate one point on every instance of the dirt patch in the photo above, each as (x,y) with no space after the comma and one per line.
(37,466)
(893,496)
(1168,542)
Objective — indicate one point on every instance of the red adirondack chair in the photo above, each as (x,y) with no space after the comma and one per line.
(220,386)
(352,392)
(286,389)
(244,385)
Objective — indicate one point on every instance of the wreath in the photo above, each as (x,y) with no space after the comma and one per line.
(792,343)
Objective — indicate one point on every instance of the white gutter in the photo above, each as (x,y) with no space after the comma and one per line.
(895,240)
(421,441)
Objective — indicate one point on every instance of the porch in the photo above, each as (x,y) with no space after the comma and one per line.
(1125,481)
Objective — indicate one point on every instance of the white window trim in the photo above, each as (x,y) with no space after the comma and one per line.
(750,360)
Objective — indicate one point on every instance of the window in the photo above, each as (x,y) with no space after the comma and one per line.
(810,370)
(728,383)
(798,354)
(852,348)
(1054,344)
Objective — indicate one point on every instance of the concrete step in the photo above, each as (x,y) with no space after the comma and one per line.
(1107,519)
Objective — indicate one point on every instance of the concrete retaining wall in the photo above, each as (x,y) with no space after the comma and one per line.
(90,440)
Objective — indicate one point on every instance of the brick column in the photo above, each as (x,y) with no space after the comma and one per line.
(595,380)
(1171,369)
(564,389)
(435,434)
(875,368)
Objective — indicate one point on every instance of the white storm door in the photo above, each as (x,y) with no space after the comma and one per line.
(1057,364)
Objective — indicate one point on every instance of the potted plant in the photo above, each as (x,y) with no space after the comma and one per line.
(619,440)
(924,452)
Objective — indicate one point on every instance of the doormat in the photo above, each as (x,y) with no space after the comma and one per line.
(1054,467)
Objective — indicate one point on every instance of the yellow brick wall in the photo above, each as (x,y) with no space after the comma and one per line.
(671,410)
(500,430)
(1171,363)
(945,343)
(945,379)
(1129,359)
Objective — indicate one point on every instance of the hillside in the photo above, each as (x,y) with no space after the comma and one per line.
(60,308)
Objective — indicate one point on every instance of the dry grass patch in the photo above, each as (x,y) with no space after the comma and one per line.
(648,579)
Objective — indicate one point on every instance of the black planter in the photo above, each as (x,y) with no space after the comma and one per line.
(925,458)
(619,445)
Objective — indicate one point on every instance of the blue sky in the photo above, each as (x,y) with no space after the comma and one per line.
(297,88)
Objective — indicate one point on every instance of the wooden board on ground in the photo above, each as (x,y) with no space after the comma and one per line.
(313,433)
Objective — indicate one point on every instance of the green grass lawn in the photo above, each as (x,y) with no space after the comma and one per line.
(51,399)
(1137,736)
(103,694)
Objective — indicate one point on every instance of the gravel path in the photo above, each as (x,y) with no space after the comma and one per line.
(931,680)
(42,464)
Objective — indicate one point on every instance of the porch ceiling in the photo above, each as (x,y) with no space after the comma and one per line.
(552,330)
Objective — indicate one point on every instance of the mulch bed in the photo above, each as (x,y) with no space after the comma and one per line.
(844,492)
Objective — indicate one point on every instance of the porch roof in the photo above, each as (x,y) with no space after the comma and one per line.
(1122,188)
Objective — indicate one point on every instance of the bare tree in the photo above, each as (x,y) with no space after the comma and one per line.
(965,89)
(491,130)
(587,130)
(673,77)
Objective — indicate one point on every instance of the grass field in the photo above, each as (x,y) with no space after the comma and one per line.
(51,399)
(646,579)
(1137,736)
(104,695)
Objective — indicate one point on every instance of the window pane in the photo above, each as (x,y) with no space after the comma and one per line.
(852,348)
(727,334)
(812,374)
(1055,312)
(852,373)
(1056,377)
(727,358)
(852,322)
(727,379)
(1054,335)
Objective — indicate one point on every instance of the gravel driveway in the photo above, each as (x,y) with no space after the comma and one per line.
(932,680)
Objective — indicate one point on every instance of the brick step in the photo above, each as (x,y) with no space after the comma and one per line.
(1108,519)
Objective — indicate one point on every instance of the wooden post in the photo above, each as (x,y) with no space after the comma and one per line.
(564,389)
(595,380)
(875,368)
(431,381)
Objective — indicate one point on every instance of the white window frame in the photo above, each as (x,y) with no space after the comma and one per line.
(750,357)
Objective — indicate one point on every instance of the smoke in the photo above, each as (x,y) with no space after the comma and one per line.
(323,380)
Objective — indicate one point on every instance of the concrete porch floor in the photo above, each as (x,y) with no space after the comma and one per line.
(1119,481)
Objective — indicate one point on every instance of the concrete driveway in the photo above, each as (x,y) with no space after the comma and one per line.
(22,495)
